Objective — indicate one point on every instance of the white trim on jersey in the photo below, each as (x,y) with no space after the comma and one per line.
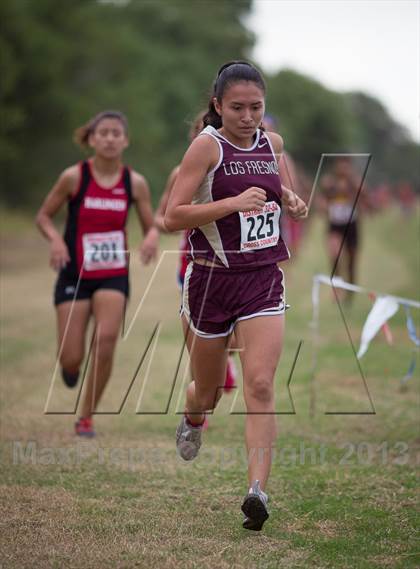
(210,132)
(214,132)
(204,195)
(271,146)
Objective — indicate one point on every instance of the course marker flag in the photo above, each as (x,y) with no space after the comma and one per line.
(385,307)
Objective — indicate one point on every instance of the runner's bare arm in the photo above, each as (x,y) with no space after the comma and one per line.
(65,187)
(163,203)
(287,171)
(293,204)
(200,158)
(141,198)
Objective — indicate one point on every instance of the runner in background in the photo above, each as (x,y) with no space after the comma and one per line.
(91,258)
(196,127)
(339,194)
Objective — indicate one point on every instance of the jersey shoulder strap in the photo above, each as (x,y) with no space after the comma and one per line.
(85,178)
(127,184)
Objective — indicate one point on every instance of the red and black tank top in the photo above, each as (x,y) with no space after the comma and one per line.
(95,230)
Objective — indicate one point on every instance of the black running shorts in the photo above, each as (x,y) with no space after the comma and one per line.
(351,231)
(68,289)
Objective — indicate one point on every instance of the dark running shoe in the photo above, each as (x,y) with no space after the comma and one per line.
(255,508)
(84,427)
(70,379)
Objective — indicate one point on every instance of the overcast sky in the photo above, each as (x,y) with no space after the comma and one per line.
(367,45)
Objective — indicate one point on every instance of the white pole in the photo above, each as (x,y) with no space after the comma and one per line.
(315,342)
(338,282)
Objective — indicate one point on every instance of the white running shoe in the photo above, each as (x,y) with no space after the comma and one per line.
(188,439)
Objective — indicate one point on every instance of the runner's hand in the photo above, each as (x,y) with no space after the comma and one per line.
(251,199)
(59,254)
(149,247)
(295,207)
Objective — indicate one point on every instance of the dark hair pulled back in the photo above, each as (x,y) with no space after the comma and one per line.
(81,134)
(230,73)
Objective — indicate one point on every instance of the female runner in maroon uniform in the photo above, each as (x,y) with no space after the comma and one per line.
(229,192)
(92,258)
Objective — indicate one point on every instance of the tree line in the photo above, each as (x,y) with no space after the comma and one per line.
(62,62)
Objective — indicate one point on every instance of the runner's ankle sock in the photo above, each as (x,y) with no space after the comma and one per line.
(195,424)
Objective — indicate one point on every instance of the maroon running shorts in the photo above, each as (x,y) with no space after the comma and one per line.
(215,298)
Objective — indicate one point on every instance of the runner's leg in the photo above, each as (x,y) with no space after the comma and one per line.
(262,339)
(72,322)
(108,309)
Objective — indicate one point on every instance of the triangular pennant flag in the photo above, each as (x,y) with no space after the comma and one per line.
(384,308)
(385,327)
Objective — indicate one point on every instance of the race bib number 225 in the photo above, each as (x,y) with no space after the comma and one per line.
(260,229)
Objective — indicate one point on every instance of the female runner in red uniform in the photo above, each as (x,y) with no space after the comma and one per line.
(92,258)
(228,191)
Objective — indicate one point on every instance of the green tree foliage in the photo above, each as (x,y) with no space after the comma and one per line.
(313,119)
(395,157)
(63,61)
(316,120)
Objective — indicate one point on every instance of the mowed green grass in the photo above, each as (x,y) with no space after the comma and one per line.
(342,489)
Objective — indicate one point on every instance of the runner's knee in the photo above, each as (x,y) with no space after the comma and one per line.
(105,342)
(260,388)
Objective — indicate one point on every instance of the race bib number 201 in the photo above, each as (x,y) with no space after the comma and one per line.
(104,251)
(260,229)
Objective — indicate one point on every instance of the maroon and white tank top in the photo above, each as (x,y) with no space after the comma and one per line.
(244,239)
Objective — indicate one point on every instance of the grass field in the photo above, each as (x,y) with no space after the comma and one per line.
(342,489)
